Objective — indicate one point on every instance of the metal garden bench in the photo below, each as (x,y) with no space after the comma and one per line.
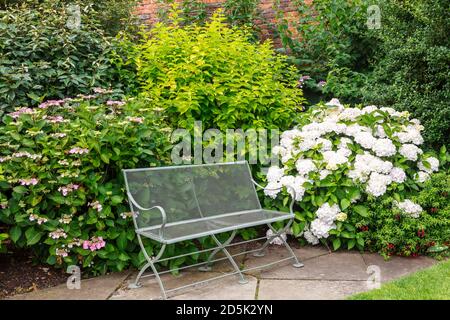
(178,203)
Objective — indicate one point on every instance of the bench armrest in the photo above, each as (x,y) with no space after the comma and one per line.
(161,210)
(291,206)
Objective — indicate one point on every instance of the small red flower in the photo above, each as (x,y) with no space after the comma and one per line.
(434,210)
(421,233)
(414,254)
(391,246)
(364,228)
(431,244)
(397,217)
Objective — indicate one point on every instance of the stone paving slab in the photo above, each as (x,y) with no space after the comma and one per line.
(308,289)
(325,276)
(98,288)
(342,266)
(274,253)
(224,289)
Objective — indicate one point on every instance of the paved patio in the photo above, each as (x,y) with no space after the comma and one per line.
(325,275)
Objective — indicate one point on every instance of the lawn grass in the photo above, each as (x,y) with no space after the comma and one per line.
(428,284)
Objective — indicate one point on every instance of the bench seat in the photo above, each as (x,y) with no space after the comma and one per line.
(195,228)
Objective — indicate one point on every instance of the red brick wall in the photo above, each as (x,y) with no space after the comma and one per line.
(148,12)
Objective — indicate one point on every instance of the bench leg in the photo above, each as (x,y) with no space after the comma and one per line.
(151,263)
(221,246)
(277,234)
(207,266)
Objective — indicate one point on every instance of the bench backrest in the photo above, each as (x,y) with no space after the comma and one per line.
(191,191)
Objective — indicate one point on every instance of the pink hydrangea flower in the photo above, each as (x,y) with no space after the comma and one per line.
(136,119)
(102,91)
(86,97)
(96,205)
(78,150)
(51,103)
(96,243)
(114,103)
(29,182)
(55,119)
(67,189)
(18,113)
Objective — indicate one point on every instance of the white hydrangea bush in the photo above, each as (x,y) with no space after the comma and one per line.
(340,156)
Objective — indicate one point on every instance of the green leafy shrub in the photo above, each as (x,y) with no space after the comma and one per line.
(392,233)
(113,16)
(337,159)
(330,41)
(411,70)
(43,56)
(212,73)
(61,187)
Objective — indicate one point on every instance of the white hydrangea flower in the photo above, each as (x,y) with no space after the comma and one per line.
(410,208)
(379,132)
(287,181)
(334,159)
(294,184)
(354,129)
(432,161)
(324,173)
(368,109)
(276,240)
(365,139)
(384,148)
(306,144)
(410,151)
(421,176)
(310,238)
(411,134)
(344,142)
(398,175)
(279,151)
(305,166)
(274,174)
(389,110)
(272,189)
(321,229)
(349,114)
(335,103)
(327,145)
(377,184)
(328,213)
(344,152)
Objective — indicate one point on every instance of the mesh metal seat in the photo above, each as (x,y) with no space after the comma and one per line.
(178,203)
(195,228)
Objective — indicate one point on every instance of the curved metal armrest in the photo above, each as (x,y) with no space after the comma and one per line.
(294,195)
(161,210)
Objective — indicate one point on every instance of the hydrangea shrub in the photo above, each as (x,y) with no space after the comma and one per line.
(337,158)
(61,187)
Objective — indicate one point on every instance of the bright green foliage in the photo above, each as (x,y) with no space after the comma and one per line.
(392,233)
(42,144)
(412,67)
(428,284)
(41,57)
(214,74)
